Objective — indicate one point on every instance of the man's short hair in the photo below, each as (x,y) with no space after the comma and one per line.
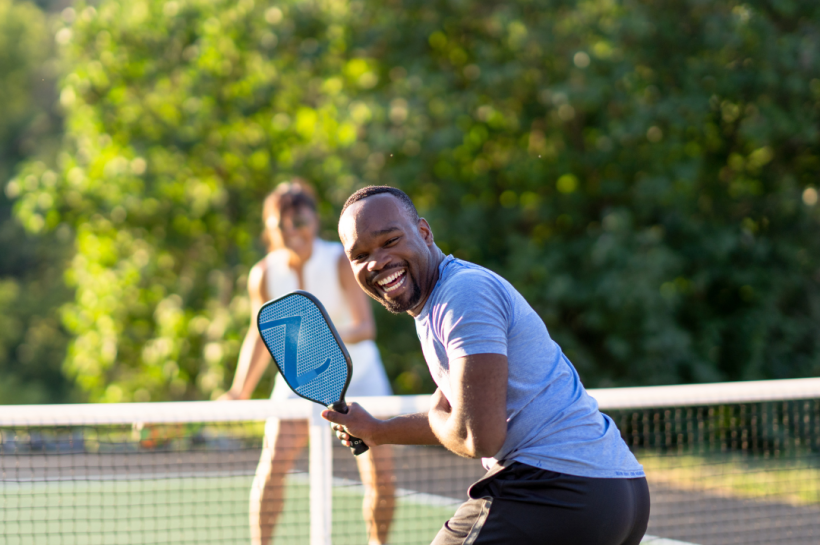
(371,190)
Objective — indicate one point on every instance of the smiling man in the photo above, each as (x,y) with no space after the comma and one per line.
(558,470)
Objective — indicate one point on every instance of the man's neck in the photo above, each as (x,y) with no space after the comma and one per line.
(432,279)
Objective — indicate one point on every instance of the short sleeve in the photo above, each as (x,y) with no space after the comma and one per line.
(472,315)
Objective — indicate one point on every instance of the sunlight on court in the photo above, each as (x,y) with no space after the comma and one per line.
(188,510)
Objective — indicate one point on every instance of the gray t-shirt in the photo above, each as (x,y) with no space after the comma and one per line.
(552,423)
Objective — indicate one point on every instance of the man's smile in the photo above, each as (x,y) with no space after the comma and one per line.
(393,281)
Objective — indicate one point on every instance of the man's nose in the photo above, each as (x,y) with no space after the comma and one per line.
(378,260)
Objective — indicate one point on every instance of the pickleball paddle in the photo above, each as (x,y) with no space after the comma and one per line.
(308,351)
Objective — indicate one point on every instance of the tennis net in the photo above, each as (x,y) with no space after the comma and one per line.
(727,463)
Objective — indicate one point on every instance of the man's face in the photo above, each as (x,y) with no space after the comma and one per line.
(390,253)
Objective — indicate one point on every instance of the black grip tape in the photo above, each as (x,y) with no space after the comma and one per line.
(357,446)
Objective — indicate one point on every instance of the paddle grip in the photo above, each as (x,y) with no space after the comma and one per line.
(357,445)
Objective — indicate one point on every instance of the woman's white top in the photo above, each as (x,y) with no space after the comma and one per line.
(321,278)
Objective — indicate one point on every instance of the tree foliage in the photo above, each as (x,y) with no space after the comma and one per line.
(642,171)
(32,341)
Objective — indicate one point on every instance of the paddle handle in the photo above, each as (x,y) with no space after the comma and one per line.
(357,446)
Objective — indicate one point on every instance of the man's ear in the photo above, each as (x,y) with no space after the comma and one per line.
(426,232)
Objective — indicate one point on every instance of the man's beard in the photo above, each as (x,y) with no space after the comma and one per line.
(399,307)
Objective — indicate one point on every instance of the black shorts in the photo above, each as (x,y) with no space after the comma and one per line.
(524,505)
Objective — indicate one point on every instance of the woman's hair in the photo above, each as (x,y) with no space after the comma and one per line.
(286,197)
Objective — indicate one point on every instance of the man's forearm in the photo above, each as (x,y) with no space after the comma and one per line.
(408,429)
(439,428)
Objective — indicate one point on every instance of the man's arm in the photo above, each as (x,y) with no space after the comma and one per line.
(407,429)
(473,423)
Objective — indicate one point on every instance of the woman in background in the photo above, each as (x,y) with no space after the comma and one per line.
(298,259)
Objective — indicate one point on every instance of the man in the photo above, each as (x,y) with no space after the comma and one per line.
(559,472)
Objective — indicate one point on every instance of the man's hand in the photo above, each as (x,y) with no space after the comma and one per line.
(357,422)
(407,429)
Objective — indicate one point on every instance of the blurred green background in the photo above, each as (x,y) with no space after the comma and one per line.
(645,172)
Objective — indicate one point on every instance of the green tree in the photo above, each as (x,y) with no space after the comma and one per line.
(24,46)
(643,172)
(32,341)
(180,118)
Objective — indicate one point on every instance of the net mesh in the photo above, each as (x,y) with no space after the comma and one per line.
(746,470)
(734,473)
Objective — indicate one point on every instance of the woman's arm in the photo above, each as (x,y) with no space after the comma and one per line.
(363,327)
(253,356)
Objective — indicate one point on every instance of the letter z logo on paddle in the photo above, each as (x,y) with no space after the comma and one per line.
(299,335)
(293,326)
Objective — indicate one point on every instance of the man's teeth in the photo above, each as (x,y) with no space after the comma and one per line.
(383,282)
(396,286)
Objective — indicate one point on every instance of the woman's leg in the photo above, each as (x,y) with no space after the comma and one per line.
(284,440)
(376,470)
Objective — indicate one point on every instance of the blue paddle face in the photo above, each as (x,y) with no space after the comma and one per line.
(305,347)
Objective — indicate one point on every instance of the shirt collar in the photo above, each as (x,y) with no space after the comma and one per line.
(441,268)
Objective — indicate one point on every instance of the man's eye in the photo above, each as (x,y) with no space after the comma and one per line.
(392,241)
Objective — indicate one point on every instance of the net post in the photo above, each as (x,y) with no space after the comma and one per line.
(321,474)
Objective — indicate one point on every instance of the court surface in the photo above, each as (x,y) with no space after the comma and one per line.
(190,497)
